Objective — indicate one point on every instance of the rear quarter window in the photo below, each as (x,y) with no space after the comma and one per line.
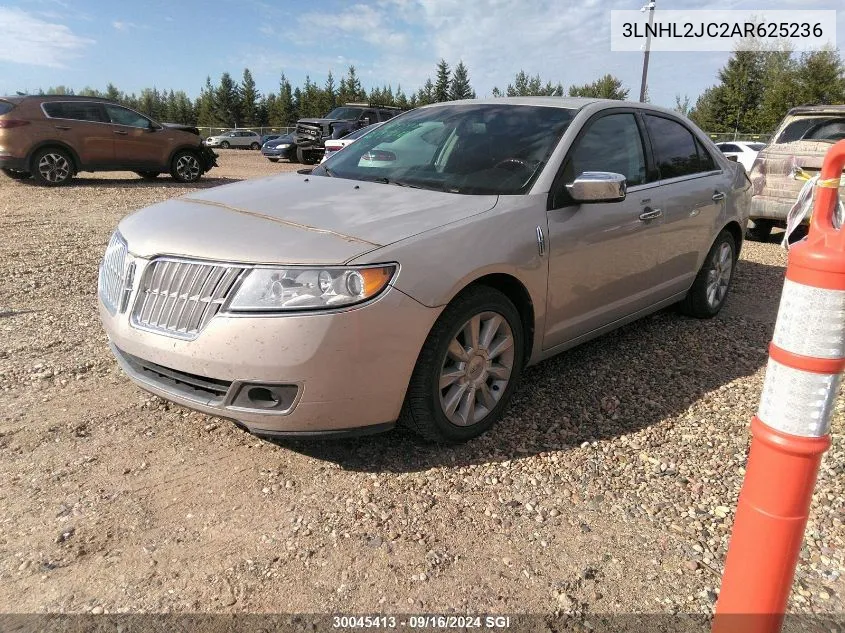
(80,111)
(6,107)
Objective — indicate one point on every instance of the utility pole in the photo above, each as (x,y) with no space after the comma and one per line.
(643,85)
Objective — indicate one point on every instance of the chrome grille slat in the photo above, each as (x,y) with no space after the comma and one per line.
(113,273)
(180,297)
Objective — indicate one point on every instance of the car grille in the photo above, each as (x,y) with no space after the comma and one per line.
(180,297)
(307,130)
(115,274)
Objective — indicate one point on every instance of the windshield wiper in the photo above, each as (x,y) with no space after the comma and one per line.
(386,181)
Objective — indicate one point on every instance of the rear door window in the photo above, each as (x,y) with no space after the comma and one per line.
(77,111)
(675,148)
(705,159)
(6,107)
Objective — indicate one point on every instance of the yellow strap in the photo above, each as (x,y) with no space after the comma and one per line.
(830,183)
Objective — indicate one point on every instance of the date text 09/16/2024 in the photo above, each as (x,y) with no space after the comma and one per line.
(421,621)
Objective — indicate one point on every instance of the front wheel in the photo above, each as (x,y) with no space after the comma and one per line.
(467,369)
(225,145)
(185,167)
(711,285)
(305,157)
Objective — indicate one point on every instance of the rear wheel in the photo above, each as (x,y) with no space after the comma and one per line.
(16,174)
(186,167)
(711,285)
(148,175)
(254,146)
(467,369)
(760,230)
(52,167)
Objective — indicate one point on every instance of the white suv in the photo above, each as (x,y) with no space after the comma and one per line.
(235,138)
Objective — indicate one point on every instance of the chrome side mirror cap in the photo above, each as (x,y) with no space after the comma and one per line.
(598,186)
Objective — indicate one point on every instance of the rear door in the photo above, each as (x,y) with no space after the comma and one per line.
(602,257)
(694,190)
(83,126)
(137,140)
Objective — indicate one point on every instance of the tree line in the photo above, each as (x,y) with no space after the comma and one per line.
(229,103)
(757,88)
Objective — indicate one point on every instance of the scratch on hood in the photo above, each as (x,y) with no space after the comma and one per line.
(304,227)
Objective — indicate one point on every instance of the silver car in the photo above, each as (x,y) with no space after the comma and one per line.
(415,281)
(235,138)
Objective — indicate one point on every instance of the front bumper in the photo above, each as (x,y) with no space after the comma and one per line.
(274,152)
(350,368)
(209,158)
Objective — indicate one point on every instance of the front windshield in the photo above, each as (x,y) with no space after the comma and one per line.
(467,148)
(344,113)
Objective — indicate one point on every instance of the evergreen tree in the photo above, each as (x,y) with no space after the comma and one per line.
(227,106)
(329,95)
(113,93)
(425,95)
(607,87)
(205,105)
(249,99)
(441,86)
(401,99)
(459,87)
(822,77)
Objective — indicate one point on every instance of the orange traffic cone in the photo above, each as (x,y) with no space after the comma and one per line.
(791,431)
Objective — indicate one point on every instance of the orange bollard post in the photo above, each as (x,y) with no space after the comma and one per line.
(791,431)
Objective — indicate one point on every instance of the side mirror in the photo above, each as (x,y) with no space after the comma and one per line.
(598,186)
(366,121)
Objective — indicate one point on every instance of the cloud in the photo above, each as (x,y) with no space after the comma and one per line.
(361,22)
(123,26)
(45,43)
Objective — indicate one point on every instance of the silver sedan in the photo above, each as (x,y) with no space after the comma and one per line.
(412,276)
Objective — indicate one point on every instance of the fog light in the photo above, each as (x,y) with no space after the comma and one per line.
(266,397)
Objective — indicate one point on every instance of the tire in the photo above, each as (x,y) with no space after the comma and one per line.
(186,166)
(425,410)
(225,145)
(305,157)
(273,160)
(760,231)
(713,282)
(255,146)
(15,174)
(52,167)
(148,175)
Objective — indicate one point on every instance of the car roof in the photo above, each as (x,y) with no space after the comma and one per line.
(818,109)
(570,103)
(22,98)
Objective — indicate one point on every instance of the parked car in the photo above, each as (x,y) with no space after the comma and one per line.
(269,137)
(280,147)
(52,137)
(419,291)
(800,141)
(235,138)
(743,152)
(335,145)
(311,134)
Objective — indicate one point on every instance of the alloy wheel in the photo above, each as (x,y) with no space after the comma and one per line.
(54,167)
(476,369)
(188,167)
(719,275)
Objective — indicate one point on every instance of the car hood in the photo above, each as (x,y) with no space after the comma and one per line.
(293,219)
(320,121)
(282,140)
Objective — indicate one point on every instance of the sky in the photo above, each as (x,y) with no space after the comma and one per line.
(175,45)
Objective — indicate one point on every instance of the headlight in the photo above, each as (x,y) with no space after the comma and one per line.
(283,146)
(269,289)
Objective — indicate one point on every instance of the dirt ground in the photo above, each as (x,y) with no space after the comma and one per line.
(608,488)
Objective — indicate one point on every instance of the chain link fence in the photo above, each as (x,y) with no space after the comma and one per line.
(205,132)
(719,137)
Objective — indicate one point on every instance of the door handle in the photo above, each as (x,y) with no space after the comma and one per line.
(62,127)
(650,214)
(121,132)
(718,196)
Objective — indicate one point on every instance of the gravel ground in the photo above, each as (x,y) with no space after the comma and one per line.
(609,487)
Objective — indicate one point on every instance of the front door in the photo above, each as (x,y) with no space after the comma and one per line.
(602,256)
(136,140)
